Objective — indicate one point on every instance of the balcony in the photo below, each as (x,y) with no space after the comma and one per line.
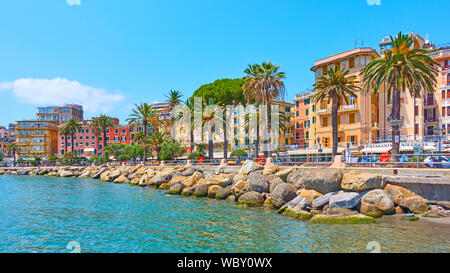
(323,111)
(348,108)
(430,120)
(429,103)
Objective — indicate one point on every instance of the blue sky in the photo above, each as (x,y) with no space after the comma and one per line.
(110,54)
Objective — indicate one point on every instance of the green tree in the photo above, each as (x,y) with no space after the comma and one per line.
(133,152)
(13,148)
(405,66)
(70,128)
(239,153)
(171,149)
(1,156)
(156,140)
(115,149)
(101,124)
(263,83)
(143,115)
(335,87)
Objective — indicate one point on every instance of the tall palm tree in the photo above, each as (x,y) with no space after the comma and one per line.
(156,140)
(143,115)
(70,128)
(263,83)
(174,98)
(405,66)
(335,87)
(63,130)
(180,116)
(101,124)
(13,148)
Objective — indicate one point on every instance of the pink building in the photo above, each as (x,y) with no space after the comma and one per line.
(85,143)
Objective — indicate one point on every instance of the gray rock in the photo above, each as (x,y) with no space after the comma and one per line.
(176,189)
(99,173)
(282,194)
(258,182)
(201,190)
(297,204)
(251,198)
(223,193)
(320,180)
(321,201)
(346,200)
(274,181)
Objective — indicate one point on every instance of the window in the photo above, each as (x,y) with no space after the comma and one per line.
(297,114)
(416,110)
(298,125)
(297,103)
(443,111)
(325,70)
(314,108)
(116,131)
(351,62)
(307,135)
(325,122)
(319,72)
(307,112)
(416,129)
(351,118)
(443,94)
(448,93)
(448,111)
(314,120)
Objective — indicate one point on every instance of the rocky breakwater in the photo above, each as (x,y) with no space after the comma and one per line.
(316,195)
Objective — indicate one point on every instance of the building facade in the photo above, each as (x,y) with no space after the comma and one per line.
(36,138)
(357,119)
(303,119)
(60,114)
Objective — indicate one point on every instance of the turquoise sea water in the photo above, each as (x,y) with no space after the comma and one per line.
(44,214)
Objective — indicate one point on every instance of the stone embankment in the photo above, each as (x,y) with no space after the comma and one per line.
(317,195)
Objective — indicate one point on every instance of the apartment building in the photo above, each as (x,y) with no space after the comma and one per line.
(422,115)
(357,119)
(303,119)
(165,115)
(36,138)
(60,114)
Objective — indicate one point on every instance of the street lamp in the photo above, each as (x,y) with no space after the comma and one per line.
(396,124)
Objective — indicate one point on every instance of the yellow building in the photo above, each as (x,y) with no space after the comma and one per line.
(36,139)
(357,119)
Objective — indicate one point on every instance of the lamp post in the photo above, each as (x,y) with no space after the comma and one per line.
(320,148)
(438,132)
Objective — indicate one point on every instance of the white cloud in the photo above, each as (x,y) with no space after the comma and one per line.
(60,91)
(73,2)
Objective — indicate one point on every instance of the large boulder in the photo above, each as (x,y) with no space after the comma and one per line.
(189,171)
(341,216)
(250,166)
(212,190)
(105,176)
(223,193)
(274,181)
(437,212)
(398,194)
(310,195)
(114,174)
(99,173)
(258,182)
(177,179)
(188,191)
(192,180)
(176,188)
(416,204)
(296,208)
(240,188)
(375,203)
(251,199)
(346,200)
(201,190)
(321,180)
(2,171)
(121,179)
(222,180)
(67,173)
(359,182)
(282,194)
(270,169)
(323,200)
(284,173)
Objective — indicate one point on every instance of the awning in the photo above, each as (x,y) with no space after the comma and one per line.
(376,150)
(89,150)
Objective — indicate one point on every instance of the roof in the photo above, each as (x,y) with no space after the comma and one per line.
(343,55)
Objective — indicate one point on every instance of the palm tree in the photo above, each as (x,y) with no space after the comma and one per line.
(263,83)
(70,128)
(174,98)
(403,67)
(101,124)
(63,130)
(143,115)
(156,140)
(181,116)
(13,147)
(334,88)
